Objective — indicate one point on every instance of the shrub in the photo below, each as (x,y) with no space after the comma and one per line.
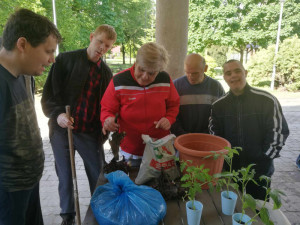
(288,60)
(260,66)
(41,80)
(218,53)
(211,66)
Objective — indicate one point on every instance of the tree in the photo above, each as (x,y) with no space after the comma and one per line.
(236,23)
(131,19)
(7,7)
(137,18)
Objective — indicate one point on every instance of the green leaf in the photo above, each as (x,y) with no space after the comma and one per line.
(275,196)
(264,216)
(249,202)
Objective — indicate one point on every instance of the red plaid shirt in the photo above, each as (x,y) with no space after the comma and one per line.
(86,115)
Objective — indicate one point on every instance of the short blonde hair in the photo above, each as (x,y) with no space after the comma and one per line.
(109,30)
(152,56)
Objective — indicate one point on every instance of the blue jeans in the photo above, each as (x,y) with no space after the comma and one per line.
(20,207)
(92,154)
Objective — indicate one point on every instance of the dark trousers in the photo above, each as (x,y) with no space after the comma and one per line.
(92,154)
(20,207)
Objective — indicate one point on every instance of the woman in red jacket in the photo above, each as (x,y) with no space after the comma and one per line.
(145,98)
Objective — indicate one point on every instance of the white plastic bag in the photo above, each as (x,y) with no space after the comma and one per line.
(157,155)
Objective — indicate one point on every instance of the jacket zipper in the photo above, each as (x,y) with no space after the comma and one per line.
(240,133)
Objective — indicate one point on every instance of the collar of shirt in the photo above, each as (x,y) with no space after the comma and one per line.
(97,64)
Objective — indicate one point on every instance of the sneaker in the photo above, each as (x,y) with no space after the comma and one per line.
(68,221)
(298,162)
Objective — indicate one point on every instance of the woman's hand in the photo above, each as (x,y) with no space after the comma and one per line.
(163,123)
(64,122)
(110,125)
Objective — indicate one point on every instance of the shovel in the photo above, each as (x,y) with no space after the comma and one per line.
(72,154)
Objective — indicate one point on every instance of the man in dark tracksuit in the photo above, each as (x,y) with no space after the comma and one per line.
(79,79)
(252,119)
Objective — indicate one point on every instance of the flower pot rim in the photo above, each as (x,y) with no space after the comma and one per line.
(228,191)
(244,215)
(192,152)
(201,204)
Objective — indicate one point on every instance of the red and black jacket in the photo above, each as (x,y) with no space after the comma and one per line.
(139,107)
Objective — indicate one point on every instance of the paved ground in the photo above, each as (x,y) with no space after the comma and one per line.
(286,177)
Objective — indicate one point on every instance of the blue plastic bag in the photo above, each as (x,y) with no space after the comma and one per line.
(121,202)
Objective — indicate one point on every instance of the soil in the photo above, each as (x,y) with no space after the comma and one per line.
(115,165)
(169,189)
(115,141)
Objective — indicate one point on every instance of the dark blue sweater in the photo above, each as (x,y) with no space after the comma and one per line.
(195,104)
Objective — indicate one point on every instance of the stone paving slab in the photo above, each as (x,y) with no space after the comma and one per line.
(286,176)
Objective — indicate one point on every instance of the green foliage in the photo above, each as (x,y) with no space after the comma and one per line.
(210,61)
(8,6)
(194,178)
(260,67)
(218,53)
(40,81)
(246,176)
(239,22)
(229,178)
(288,64)
(76,19)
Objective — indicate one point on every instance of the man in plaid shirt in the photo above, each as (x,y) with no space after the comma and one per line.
(79,79)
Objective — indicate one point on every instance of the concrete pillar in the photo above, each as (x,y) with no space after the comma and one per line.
(172,32)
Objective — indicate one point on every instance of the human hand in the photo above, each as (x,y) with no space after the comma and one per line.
(110,125)
(163,123)
(64,122)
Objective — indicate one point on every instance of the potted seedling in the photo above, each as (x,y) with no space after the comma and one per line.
(263,211)
(229,180)
(194,177)
(247,175)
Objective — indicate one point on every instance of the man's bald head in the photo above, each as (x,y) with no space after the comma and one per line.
(195,59)
(195,67)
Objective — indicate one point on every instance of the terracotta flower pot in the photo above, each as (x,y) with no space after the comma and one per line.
(196,146)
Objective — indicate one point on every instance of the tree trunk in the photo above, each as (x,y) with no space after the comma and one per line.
(123,52)
(242,55)
(172,21)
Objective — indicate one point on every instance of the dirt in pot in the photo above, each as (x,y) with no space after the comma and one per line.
(169,189)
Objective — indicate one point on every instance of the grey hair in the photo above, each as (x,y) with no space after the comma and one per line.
(153,56)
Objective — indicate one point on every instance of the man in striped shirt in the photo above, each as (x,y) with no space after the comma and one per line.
(252,119)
